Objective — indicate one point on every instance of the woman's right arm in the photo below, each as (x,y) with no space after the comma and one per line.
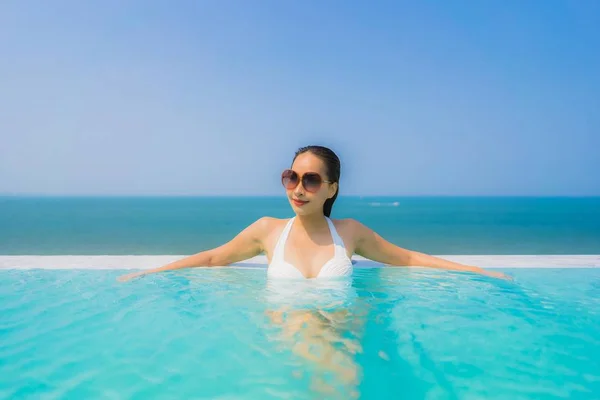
(247,244)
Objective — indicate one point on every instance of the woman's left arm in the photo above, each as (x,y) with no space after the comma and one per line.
(371,245)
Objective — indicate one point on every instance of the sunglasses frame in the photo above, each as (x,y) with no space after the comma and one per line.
(301,179)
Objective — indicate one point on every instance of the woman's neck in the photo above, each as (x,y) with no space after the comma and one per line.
(312,222)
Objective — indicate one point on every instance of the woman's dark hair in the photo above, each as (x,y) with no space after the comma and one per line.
(332,169)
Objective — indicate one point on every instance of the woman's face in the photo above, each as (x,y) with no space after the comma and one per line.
(306,202)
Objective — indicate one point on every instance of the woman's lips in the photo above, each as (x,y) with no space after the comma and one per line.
(299,203)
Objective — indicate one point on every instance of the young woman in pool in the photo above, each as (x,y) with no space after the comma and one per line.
(311,245)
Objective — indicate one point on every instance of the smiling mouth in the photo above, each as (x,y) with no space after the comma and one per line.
(299,202)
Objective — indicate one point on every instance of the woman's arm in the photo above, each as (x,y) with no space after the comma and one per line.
(248,243)
(371,245)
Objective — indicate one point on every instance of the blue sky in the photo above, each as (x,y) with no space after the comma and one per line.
(213,98)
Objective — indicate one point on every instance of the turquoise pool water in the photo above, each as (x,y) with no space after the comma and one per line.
(229,333)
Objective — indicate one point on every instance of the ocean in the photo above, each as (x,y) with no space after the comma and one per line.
(185,225)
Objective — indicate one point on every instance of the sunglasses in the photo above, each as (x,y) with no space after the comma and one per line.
(311,181)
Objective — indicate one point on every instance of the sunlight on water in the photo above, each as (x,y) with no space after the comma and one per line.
(231,333)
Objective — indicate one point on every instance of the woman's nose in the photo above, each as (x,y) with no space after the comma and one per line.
(299,189)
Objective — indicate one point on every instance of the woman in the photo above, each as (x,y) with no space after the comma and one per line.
(311,245)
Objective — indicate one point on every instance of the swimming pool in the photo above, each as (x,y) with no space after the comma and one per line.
(230,333)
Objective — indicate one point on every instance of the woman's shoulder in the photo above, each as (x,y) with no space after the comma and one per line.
(349,228)
(267,221)
(347,224)
(267,225)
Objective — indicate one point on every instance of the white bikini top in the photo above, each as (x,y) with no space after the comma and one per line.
(339,265)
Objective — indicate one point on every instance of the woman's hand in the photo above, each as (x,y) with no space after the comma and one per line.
(495,274)
(125,278)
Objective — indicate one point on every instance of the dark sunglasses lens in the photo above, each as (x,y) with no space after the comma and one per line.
(289,179)
(311,182)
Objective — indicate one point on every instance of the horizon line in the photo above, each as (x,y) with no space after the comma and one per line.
(113,195)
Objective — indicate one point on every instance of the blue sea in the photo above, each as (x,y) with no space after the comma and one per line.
(69,330)
(184,225)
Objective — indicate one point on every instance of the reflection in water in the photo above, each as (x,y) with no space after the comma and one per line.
(321,322)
